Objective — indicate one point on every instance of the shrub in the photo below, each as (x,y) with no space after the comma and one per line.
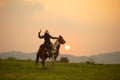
(64,59)
(11,58)
(90,61)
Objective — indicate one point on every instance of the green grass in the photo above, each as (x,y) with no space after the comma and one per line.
(25,70)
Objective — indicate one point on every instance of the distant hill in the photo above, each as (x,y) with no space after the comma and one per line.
(104,58)
(75,59)
(18,55)
(107,58)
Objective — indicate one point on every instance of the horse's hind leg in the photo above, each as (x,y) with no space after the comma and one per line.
(37,59)
(43,63)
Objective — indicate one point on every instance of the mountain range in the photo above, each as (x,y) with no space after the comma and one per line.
(103,58)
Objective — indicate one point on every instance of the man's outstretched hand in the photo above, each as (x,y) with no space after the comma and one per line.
(40,30)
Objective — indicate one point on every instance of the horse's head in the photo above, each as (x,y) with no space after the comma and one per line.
(61,40)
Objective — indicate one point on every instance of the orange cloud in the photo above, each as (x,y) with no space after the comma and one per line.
(2,3)
(33,1)
(29,0)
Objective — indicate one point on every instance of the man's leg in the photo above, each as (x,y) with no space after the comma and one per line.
(49,48)
(49,53)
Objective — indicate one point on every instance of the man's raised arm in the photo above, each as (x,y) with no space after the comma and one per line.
(40,35)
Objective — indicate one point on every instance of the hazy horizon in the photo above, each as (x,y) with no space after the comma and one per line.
(90,27)
(12,51)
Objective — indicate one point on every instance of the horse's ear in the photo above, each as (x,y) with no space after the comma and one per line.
(60,36)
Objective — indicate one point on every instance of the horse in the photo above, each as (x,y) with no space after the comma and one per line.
(42,52)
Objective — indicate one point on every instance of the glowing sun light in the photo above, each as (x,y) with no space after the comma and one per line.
(67,47)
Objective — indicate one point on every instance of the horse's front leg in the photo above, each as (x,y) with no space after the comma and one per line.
(53,62)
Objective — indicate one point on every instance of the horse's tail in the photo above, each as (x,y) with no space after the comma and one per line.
(37,59)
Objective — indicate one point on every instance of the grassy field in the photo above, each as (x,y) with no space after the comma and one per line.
(25,70)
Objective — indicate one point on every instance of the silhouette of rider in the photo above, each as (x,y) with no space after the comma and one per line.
(47,43)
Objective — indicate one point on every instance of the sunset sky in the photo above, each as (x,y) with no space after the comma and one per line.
(90,27)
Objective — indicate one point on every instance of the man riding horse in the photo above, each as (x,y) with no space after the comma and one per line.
(47,43)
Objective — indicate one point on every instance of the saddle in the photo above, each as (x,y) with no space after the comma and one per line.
(47,48)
